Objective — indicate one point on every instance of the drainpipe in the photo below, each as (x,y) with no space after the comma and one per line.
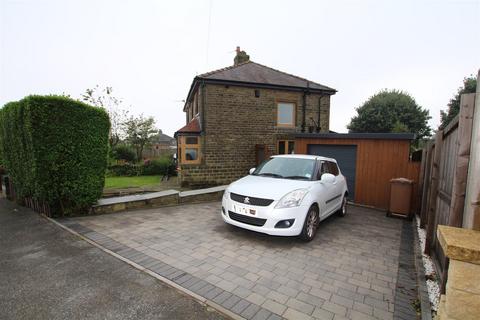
(202,119)
(319,109)
(304,105)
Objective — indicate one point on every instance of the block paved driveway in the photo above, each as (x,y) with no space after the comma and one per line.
(349,271)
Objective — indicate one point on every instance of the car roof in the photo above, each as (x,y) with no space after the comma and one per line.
(304,156)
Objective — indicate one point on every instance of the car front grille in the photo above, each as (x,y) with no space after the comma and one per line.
(250,200)
(246,219)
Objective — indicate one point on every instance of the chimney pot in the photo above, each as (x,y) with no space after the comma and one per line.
(238,49)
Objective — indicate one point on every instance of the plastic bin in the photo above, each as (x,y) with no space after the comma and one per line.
(400,198)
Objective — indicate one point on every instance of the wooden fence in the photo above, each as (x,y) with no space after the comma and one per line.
(443,179)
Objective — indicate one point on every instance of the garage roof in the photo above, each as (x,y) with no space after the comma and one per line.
(380,136)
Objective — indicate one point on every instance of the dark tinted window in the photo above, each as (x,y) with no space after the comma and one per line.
(333,168)
(281,147)
(191,140)
(291,147)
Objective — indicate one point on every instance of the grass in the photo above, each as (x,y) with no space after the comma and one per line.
(128,182)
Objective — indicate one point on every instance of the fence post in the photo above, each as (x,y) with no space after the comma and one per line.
(432,201)
(471,216)
(427,159)
(465,123)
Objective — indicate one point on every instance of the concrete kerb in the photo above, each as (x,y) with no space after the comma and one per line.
(168,282)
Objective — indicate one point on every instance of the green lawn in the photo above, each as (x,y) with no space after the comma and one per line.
(126,182)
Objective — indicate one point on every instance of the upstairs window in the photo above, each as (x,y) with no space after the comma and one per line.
(286,114)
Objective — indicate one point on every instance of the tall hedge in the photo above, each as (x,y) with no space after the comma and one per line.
(55,149)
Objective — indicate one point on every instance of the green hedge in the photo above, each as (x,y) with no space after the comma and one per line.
(127,169)
(55,150)
(161,166)
(123,152)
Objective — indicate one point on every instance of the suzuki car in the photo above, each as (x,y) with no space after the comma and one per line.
(287,195)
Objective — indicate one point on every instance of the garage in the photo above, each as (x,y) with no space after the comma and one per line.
(368,160)
(346,156)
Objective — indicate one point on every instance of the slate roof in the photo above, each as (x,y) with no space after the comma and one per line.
(252,72)
(161,138)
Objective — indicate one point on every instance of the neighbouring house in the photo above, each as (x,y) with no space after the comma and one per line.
(239,115)
(160,145)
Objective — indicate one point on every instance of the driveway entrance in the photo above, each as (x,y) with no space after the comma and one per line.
(348,271)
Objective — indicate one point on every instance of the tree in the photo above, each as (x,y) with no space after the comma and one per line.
(391,111)
(469,86)
(139,131)
(103,98)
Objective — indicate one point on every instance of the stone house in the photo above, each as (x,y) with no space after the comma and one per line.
(239,115)
(160,145)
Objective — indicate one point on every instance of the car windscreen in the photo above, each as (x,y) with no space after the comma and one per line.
(287,168)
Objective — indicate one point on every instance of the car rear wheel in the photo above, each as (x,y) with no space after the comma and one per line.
(343,209)
(310,225)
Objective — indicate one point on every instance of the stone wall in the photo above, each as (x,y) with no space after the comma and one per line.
(462,294)
(236,120)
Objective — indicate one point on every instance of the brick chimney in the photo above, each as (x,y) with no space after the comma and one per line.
(240,57)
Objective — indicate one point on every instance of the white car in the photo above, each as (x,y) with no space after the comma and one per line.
(287,195)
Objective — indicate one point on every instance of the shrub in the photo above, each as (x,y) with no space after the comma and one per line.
(124,152)
(55,149)
(126,169)
(162,166)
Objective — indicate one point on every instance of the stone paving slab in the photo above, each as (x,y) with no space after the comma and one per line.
(350,270)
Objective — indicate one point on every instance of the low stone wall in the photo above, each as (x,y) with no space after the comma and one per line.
(202,195)
(156,199)
(462,294)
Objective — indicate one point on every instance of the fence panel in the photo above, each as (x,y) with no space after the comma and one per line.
(445,174)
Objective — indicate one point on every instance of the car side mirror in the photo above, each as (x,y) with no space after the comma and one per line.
(251,170)
(327,178)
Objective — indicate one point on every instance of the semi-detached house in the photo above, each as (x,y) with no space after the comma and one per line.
(239,115)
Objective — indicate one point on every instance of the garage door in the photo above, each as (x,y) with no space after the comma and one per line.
(346,156)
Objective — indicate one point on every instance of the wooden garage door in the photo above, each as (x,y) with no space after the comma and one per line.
(346,156)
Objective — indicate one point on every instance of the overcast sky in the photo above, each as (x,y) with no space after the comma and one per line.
(149,51)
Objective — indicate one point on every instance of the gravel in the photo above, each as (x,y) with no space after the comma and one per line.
(430,274)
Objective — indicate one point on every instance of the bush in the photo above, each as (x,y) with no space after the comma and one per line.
(157,166)
(55,149)
(124,152)
(126,169)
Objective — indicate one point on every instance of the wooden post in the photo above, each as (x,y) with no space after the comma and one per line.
(427,159)
(471,216)
(432,208)
(467,107)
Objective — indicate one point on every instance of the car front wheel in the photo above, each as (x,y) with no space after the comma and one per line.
(310,225)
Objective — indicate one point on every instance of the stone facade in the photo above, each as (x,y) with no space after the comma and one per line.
(462,294)
(235,119)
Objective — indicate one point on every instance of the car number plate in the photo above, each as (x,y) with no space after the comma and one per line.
(244,210)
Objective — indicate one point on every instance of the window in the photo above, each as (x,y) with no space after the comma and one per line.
(286,147)
(189,150)
(286,114)
(333,168)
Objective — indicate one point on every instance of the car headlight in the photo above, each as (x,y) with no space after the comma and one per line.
(226,194)
(292,199)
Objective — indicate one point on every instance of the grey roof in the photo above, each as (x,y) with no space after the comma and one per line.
(163,138)
(252,72)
